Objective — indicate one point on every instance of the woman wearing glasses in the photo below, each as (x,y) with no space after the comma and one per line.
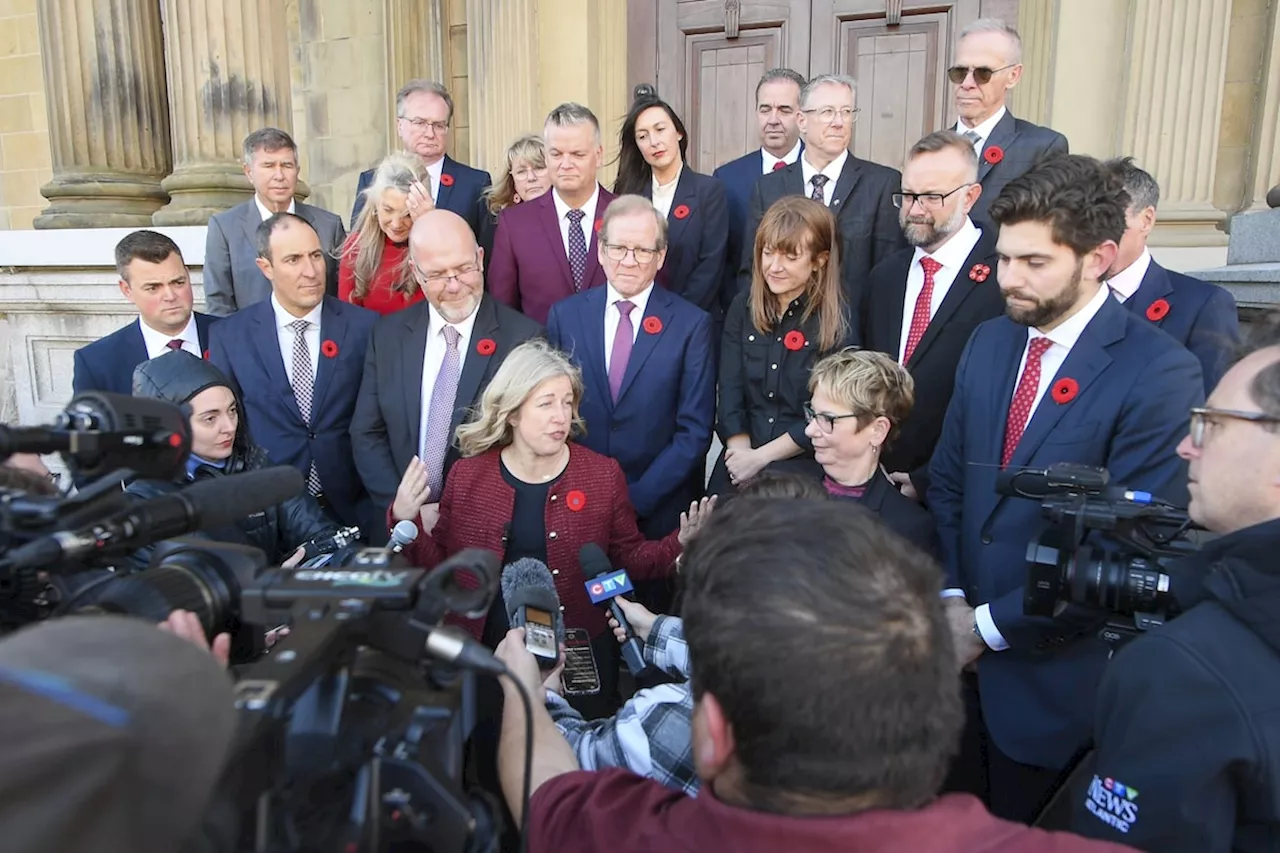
(374,268)
(524,179)
(859,399)
(651,163)
(793,314)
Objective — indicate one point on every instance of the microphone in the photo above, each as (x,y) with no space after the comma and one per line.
(1068,478)
(217,502)
(606,584)
(327,543)
(402,535)
(529,592)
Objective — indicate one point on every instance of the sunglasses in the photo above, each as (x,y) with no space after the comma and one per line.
(981,76)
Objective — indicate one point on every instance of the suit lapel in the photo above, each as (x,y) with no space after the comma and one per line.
(1004,375)
(475,365)
(792,180)
(1155,285)
(202,332)
(687,197)
(593,260)
(137,348)
(446,184)
(960,290)
(416,328)
(1002,137)
(332,328)
(889,322)
(591,319)
(266,340)
(848,179)
(551,233)
(659,306)
(250,220)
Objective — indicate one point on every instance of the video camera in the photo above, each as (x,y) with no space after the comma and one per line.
(1067,565)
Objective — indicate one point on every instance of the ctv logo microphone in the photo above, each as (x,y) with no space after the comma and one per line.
(608,586)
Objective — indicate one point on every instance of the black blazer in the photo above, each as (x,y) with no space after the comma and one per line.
(107,364)
(862,204)
(1021,144)
(697,238)
(900,514)
(389,407)
(933,363)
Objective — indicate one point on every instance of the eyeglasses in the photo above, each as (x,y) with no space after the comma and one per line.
(826,115)
(463,276)
(1201,416)
(904,201)
(826,420)
(529,173)
(618,253)
(981,75)
(421,124)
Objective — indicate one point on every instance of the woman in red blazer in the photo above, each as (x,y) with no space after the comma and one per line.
(523,489)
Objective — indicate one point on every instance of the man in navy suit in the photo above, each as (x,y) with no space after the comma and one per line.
(1199,315)
(424,113)
(297,359)
(154,278)
(647,368)
(1067,376)
(988,65)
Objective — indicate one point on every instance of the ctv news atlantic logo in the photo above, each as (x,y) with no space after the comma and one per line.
(608,586)
(1113,803)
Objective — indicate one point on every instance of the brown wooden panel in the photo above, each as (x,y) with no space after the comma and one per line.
(721,76)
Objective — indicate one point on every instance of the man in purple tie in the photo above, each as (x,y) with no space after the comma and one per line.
(545,249)
(647,368)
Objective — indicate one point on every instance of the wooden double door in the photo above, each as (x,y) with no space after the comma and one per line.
(706,57)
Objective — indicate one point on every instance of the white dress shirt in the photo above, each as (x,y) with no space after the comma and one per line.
(664,194)
(832,170)
(1126,282)
(433,359)
(983,130)
(588,221)
(157,343)
(434,171)
(613,318)
(267,214)
(952,255)
(768,161)
(286,336)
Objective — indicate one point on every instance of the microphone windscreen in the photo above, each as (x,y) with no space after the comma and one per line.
(528,583)
(222,501)
(593,560)
(403,533)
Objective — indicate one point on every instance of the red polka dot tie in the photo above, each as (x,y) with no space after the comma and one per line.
(1024,398)
(920,317)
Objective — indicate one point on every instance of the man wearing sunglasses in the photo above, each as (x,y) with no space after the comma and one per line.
(1186,720)
(988,65)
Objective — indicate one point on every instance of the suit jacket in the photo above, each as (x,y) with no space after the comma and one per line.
(933,362)
(530,269)
(232,280)
(247,348)
(1135,387)
(1201,316)
(107,364)
(696,241)
(388,416)
(461,196)
(659,429)
(739,179)
(1022,144)
(865,215)
(899,513)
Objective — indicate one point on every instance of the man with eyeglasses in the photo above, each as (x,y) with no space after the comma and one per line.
(647,368)
(858,192)
(427,365)
(424,115)
(924,302)
(1186,719)
(988,65)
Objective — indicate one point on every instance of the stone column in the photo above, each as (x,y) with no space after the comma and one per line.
(1266,141)
(1173,107)
(1036,23)
(108,119)
(228,68)
(502,72)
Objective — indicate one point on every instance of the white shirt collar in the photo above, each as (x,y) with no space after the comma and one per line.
(955,251)
(669,187)
(267,214)
(1073,327)
(1126,282)
(640,300)
(284,318)
(589,208)
(788,158)
(438,322)
(983,130)
(157,342)
(832,170)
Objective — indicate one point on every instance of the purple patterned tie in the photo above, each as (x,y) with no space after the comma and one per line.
(577,248)
(444,394)
(304,381)
(818,181)
(620,354)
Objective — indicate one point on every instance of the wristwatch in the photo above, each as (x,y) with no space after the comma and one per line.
(977,632)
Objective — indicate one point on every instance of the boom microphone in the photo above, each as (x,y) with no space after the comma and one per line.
(532,603)
(606,584)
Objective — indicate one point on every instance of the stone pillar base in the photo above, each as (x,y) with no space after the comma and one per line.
(1190,224)
(100,201)
(198,193)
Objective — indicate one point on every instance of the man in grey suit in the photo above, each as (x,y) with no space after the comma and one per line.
(988,65)
(232,279)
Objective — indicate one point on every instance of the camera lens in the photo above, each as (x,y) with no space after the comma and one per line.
(183,581)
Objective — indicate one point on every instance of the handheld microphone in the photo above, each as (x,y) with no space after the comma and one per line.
(529,592)
(218,502)
(402,535)
(606,584)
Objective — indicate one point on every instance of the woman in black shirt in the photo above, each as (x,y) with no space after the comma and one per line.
(793,315)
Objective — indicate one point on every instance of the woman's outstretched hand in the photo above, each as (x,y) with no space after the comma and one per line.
(413,492)
(697,515)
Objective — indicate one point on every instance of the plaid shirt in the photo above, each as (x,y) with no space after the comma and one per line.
(652,735)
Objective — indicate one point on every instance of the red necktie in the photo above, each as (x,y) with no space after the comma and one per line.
(1024,398)
(175,344)
(781,164)
(920,317)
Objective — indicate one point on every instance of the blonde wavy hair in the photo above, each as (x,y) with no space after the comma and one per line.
(396,172)
(872,384)
(502,194)
(524,369)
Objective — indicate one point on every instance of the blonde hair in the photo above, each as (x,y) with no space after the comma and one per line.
(524,369)
(502,194)
(794,225)
(396,172)
(869,383)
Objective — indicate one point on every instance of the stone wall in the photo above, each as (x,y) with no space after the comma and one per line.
(24,132)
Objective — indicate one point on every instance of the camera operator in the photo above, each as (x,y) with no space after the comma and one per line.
(1187,726)
(827,706)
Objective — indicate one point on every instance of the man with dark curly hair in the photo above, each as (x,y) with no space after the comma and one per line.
(1068,375)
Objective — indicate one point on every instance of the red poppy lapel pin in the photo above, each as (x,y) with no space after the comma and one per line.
(993,154)
(979,272)
(652,325)
(486,346)
(599,225)
(1065,390)
(329,349)
(446,180)
(1158,310)
(794,341)
(206,355)
(576,501)
(681,211)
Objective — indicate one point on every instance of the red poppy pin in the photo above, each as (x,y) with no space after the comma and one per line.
(994,154)
(576,501)
(446,180)
(793,341)
(329,349)
(652,325)
(486,346)
(206,355)
(599,225)
(979,272)
(1157,310)
(681,211)
(1065,390)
